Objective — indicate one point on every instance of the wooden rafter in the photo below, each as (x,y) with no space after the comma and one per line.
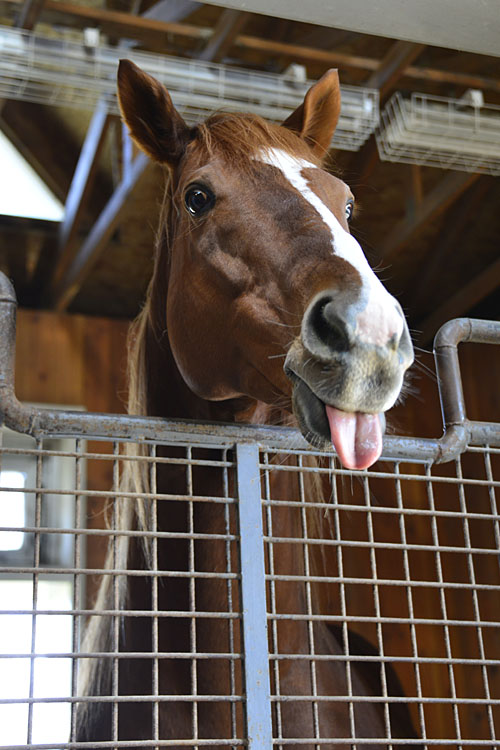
(39,136)
(393,66)
(29,14)
(462,301)
(435,203)
(227,28)
(97,239)
(446,246)
(80,189)
(385,78)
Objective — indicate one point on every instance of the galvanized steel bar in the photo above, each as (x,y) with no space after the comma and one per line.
(256,662)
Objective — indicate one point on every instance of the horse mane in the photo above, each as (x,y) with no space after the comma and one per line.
(237,139)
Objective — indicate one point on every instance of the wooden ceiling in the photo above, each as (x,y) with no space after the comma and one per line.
(434,234)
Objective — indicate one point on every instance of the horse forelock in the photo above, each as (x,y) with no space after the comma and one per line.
(238,139)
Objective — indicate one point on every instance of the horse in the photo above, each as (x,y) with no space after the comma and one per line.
(261,308)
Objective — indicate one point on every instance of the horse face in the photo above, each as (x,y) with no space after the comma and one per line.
(264,271)
(269,268)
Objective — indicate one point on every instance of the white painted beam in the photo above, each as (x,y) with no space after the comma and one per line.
(468,25)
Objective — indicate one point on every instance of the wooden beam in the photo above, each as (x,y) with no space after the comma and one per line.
(143,28)
(227,28)
(29,14)
(435,203)
(385,78)
(306,54)
(100,234)
(114,22)
(26,226)
(392,67)
(40,138)
(415,191)
(461,302)
(79,191)
(447,245)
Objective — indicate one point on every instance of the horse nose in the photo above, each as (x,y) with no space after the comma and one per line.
(331,326)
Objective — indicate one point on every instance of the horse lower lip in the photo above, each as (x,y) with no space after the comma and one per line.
(310,412)
(312,415)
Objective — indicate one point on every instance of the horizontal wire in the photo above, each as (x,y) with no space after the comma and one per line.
(125,613)
(148,655)
(401,582)
(127,655)
(133,573)
(118,495)
(210,698)
(125,457)
(174,698)
(381,509)
(381,545)
(122,532)
(94,745)
(379,475)
(383,620)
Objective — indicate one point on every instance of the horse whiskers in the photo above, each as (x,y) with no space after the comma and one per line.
(282,325)
(418,365)
(420,349)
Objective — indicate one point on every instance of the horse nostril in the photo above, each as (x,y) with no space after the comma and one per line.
(324,331)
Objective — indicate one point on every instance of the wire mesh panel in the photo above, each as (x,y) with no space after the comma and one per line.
(388,580)
(382,601)
(181,604)
(441,132)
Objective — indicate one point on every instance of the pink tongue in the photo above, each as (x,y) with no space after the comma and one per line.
(356,437)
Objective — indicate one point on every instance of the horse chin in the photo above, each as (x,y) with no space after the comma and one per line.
(357,445)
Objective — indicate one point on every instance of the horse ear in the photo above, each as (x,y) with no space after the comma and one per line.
(316,118)
(147,109)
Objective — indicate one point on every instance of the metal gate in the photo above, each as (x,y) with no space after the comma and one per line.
(411,563)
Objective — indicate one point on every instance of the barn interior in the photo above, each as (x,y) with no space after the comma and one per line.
(429,223)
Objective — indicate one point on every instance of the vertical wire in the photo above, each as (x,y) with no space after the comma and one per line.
(36,565)
(116,595)
(376,600)
(272,590)
(411,610)
(493,504)
(442,598)
(155,641)
(343,598)
(475,599)
(310,628)
(192,593)
(227,522)
(77,592)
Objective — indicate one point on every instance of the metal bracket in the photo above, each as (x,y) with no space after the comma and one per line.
(460,431)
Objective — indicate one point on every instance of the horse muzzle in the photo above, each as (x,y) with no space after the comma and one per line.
(347,369)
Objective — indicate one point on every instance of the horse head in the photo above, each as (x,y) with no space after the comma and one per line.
(264,271)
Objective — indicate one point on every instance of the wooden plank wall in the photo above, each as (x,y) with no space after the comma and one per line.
(76,361)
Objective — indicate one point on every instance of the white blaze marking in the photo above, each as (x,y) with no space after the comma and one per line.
(380,318)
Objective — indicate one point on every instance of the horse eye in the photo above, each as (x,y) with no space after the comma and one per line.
(349,210)
(198,199)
